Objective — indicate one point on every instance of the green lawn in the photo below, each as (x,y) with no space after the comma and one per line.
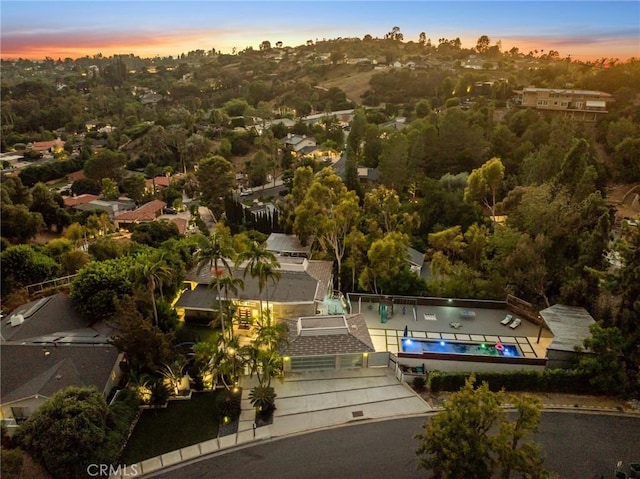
(181,424)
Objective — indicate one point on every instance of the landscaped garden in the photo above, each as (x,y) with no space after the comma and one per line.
(180,424)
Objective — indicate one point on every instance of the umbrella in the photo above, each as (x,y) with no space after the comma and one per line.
(406,331)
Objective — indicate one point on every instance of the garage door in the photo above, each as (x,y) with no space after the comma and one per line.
(313,362)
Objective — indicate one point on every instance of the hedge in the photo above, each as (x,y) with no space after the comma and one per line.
(550,381)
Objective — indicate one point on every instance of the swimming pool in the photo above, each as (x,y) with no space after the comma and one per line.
(419,346)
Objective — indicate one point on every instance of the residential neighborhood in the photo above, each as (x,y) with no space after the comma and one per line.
(211,251)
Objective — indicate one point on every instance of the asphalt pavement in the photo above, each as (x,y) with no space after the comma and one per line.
(577,446)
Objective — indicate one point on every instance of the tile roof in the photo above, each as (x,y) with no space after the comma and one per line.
(357,340)
(34,369)
(79,200)
(147,212)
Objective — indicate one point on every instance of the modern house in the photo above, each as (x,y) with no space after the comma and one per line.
(303,287)
(45,347)
(583,105)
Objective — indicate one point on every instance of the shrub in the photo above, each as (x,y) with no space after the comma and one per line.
(551,380)
(419,383)
(230,406)
(263,398)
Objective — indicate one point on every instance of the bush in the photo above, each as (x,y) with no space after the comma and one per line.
(230,406)
(419,383)
(551,381)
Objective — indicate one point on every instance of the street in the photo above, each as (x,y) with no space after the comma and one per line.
(577,446)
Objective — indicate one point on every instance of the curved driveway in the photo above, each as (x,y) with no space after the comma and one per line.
(577,446)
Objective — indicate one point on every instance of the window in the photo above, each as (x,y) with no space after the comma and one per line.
(542,102)
(564,104)
(20,413)
(351,361)
(313,362)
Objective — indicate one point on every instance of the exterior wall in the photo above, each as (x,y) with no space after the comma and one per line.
(325,362)
(562,359)
(452,366)
(573,104)
(291,311)
(114,377)
(8,420)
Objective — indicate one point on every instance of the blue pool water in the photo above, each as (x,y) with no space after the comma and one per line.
(418,346)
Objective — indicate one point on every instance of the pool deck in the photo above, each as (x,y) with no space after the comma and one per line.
(483,327)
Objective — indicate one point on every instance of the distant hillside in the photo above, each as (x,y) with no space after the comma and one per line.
(354,84)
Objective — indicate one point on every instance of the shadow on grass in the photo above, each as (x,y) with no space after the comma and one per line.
(180,424)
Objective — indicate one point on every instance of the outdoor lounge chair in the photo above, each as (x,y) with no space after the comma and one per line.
(507,319)
(516,322)
(455,324)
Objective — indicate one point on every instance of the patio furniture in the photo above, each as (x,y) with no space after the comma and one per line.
(430,316)
(507,319)
(516,322)
(455,324)
(467,314)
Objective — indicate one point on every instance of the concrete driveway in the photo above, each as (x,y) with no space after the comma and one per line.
(319,399)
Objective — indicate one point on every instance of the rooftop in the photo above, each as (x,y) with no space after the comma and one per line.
(147,212)
(569,325)
(353,337)
(288,244)
(48,320)
(30,369)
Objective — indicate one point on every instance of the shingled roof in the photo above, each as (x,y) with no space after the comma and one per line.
(30,370)
(354,339)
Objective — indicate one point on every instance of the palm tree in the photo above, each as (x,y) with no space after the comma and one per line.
(229,283)
(155,272)
(215,252)
(262,264)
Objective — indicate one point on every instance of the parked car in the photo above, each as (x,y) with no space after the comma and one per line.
(169,211)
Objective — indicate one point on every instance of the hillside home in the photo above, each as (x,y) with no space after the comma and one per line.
(582,105)
(297,142)
(144,214)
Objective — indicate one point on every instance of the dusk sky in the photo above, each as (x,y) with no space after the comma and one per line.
(586,30)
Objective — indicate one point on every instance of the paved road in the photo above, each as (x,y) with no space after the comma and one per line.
(578,446)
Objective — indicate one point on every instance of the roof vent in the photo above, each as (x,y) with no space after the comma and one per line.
(17,320)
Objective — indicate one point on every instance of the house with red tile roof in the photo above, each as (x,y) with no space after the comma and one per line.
(144,214)
(49,146)
(70,201)
(75,176)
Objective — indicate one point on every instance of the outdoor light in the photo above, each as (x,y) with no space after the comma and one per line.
(441,343)
(407,341)
(365,354)
(450,300)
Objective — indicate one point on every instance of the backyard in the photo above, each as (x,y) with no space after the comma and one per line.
(180,424)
